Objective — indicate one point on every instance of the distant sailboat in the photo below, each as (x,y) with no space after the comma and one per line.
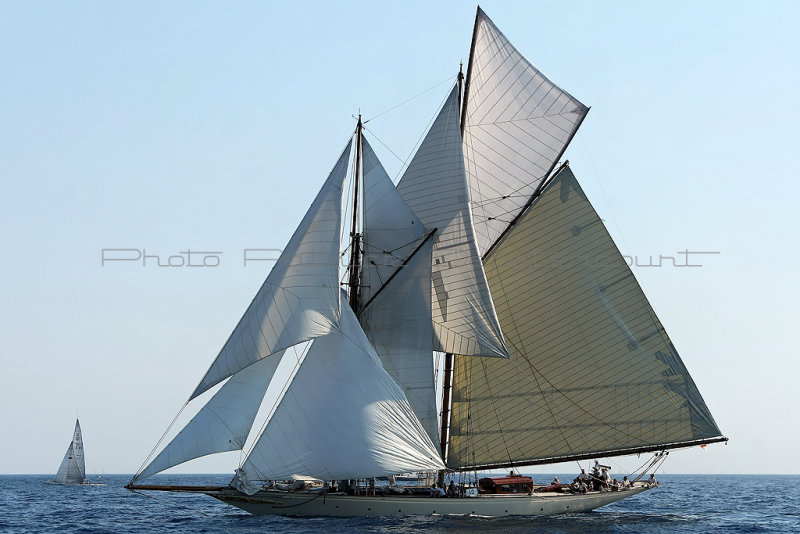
(73,467)
(486,251)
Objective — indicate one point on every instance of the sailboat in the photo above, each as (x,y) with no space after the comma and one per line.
(72,470)
(485,320)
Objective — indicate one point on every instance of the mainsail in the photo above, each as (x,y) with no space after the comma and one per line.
(592,371)
(342,417)
(435,187)
(73,467)
(299,300)
(517,123)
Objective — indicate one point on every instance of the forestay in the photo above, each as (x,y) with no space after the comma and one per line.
(223,423)
(341,417)
(592,370)
(435,187)
(517,124)
(73,467)
(299,300)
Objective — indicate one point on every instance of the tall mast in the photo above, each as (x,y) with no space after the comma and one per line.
(447,386)
(355,237)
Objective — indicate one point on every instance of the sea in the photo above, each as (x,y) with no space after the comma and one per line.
(683,503)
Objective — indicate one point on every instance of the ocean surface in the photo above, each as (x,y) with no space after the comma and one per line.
(683,503)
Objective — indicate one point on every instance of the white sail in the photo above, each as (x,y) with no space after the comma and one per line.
(341,417)
(517,124)
(391,229)
(73,467)
(299,300)
(435,187)
(223,423)
(592,370)
(398,323)
(398,320)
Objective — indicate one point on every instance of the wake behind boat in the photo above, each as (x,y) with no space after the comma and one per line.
(486,252)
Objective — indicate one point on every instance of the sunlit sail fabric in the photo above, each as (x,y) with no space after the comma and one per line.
(341,417)
(299,300)
(398,323)
(591,369)
(435,187)
(223,423)
(391,230)
(398,320)
(73,467)
(516,125)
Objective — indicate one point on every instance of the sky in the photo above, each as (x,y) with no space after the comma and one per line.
(209,126)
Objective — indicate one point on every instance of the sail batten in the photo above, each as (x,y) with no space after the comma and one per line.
(592,370)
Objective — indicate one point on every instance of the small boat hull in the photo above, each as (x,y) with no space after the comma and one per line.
(337,504)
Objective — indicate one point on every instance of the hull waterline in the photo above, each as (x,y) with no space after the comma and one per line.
(310,504)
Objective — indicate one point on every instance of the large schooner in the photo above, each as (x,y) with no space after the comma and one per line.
(488,252)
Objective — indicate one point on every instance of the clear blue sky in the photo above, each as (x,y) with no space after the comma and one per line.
(210,126)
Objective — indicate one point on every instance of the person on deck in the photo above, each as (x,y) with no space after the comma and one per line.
(584,475)
(625,482)
(451,489)
(555,482)
(652,480)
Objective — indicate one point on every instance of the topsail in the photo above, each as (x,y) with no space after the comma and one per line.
(517,123)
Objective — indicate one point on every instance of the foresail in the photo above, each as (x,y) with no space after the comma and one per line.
(73,467)
(517,124)
(223,423)
(299,300)
(592,371)
(342,417)
(435,188)
(396,291)
(391,230)
(398,323)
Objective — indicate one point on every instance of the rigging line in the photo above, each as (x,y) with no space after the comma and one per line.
(409,100)
(149,456)
(600,185)
(427,237)
(385,145)
(280,396)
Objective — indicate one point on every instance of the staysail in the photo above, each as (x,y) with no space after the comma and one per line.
(299,300)
(396,290)
(224,423)
(435,187)
(341,417)
(517,123)
(73,467)
(592,371)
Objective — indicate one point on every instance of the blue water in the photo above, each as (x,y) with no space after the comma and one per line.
(683,503)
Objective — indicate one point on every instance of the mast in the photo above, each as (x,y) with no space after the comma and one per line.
(355,238)
(448,356)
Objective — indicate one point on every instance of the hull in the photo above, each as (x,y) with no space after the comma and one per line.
(335,504)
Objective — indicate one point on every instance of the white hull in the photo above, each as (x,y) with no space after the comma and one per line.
(310,504)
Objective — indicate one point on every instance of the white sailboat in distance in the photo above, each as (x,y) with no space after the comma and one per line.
(488,252)
(72,471)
